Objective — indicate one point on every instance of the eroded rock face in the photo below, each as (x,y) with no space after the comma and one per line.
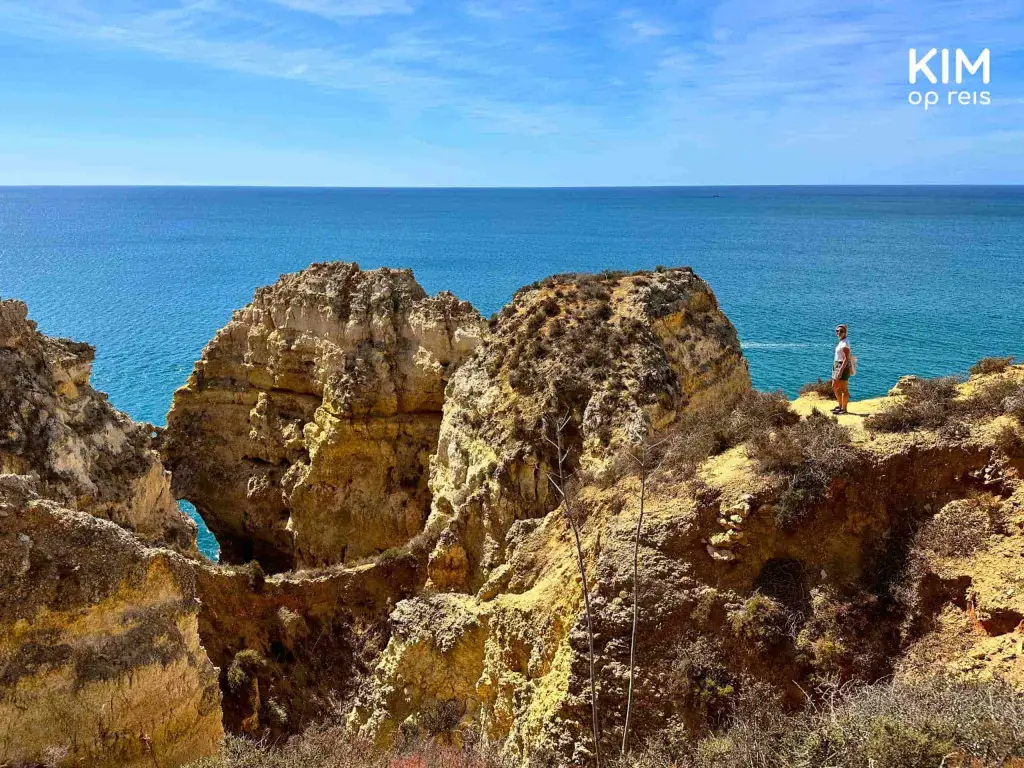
(100,659)
(304,434)
(290,646)
(733,601)
(87,455)
(619,355)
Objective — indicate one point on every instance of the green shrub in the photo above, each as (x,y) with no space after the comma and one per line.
(933,404)
(244,667)
(761,621)
(398,557)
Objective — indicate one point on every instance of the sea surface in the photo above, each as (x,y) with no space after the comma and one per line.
(929,279)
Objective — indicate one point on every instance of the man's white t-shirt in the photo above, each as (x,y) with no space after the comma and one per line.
(843,344)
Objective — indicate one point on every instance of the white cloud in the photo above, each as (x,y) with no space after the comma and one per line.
(784,84)
(347,9)
(642,26)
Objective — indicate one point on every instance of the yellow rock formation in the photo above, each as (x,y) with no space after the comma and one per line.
(304,434)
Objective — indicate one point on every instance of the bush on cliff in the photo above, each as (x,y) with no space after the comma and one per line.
(809,454)
(820,387)
(926,404)
(991,365)
(697,436)
(907,724)
(937,404)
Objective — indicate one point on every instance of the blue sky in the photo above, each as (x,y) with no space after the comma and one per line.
(499,92)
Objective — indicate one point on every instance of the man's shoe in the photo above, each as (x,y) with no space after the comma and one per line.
(837,409)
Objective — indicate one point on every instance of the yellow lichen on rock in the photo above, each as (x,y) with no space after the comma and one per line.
(622,354)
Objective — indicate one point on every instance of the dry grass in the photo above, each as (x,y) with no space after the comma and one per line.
(991,365)
(934,404)
(920,724)
(334,746)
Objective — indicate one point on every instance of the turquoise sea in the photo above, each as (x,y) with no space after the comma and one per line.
(929,279)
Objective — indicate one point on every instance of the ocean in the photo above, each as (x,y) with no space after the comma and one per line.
(929,279)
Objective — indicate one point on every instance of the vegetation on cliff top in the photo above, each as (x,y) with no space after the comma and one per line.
(939,403)
(910,724)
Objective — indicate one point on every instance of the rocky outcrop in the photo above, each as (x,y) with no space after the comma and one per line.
(304,434)
(619,355)
(750,585)
(87,455)
(100,659)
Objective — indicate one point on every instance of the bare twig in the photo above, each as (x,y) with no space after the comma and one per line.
(643,461)
(562,483)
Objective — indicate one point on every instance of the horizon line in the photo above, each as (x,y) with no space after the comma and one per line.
(499,187)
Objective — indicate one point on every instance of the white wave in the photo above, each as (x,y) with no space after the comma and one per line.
(777,345)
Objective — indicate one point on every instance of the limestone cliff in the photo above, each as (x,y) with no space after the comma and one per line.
(100,660)
(780,545)
(304,434)
(783,548)
(619,354)
(87,455)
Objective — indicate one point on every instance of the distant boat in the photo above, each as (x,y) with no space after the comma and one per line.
(716,195)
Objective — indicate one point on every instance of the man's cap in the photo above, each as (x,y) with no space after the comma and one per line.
(841,326)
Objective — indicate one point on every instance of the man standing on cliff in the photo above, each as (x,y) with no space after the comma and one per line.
(842,367)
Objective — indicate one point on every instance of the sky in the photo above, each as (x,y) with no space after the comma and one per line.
(502,92)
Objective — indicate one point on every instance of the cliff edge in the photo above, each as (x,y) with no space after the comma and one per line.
(87,455)
(100,658)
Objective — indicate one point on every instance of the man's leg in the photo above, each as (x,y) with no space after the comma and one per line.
(844,394)
(836,387)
